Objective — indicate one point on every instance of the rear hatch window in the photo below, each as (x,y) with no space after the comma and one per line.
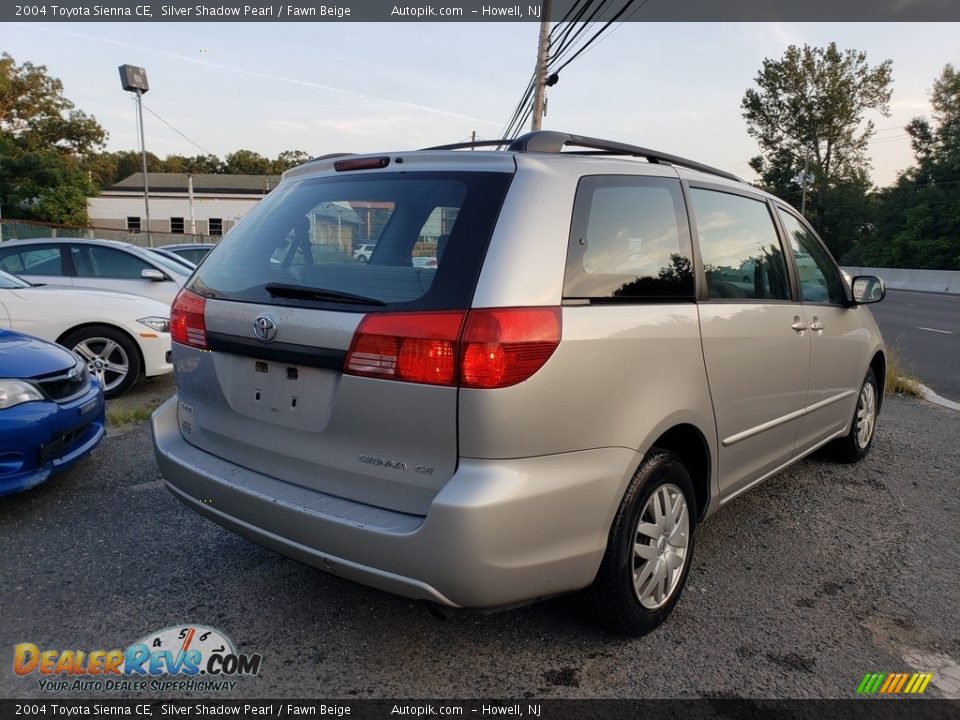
(423,237)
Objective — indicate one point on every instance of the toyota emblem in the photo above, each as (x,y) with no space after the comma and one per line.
(265,328)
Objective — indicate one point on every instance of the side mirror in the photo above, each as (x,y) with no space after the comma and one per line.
(152,274)
(868,289)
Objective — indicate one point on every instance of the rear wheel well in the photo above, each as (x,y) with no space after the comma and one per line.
(688,443)
(879,366)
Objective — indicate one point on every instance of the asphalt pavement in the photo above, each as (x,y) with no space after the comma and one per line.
(799,588)
(924,329)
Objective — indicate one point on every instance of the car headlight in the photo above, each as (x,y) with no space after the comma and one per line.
(160,324)
(13,392)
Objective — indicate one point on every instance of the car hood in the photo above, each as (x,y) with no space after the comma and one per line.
(78,298)
(23,356)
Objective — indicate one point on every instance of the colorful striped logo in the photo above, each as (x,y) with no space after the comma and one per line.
(894,683)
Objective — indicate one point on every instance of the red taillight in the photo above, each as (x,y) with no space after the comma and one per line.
(186,320)
(414,347)
(500,348)
(480,349)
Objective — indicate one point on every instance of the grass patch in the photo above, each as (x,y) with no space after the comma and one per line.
(126,416)
(900,381)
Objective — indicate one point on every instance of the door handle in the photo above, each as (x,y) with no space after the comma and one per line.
(798,324)
(816,325)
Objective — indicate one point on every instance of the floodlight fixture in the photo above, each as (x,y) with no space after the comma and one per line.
(134,79)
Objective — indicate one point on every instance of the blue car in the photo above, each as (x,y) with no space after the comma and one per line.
(51,411)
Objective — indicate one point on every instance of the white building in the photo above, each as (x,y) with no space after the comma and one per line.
(215,204)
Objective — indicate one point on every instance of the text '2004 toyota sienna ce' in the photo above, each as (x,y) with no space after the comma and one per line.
(554,365)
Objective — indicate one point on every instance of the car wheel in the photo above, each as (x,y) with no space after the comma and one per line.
(650,547)
(111,357)
(362,259)
(856,444)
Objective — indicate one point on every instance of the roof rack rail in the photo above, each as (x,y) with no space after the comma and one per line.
(549,141)
(477,143)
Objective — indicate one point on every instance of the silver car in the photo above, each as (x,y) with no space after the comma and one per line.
(556,403)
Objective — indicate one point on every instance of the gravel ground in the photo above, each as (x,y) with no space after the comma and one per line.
(799,588)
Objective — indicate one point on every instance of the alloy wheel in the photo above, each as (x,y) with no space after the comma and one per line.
(661,544)
(866,414)
(106,360)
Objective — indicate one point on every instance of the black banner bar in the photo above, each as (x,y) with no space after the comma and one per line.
(529,709)
(474,11)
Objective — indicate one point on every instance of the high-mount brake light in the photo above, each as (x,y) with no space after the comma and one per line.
(483,349)
(361,164)
(187,325)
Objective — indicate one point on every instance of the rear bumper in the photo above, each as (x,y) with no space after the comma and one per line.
(499,532)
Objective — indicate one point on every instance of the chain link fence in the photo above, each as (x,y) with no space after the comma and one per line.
(22,229)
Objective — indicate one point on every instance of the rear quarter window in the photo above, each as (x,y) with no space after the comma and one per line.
(426,234)
(629,240)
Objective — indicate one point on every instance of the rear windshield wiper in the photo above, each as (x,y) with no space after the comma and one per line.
(302,292)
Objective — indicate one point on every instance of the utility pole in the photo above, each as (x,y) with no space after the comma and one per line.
(193,219)
(803,185)
(540,74)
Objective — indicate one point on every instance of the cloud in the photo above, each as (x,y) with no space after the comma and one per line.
(265,75)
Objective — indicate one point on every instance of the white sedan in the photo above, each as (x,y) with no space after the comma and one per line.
(121,336)
(97,264)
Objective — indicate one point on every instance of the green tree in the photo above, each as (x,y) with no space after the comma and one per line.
(288,159)
(247,162)
(808,110)
(195,164)
(918,218)
(43,140)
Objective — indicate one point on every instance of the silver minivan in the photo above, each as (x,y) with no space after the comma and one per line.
(580,377)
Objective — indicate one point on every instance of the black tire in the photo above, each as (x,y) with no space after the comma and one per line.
(90,343)
(852,447)
(362,259)
(613,593)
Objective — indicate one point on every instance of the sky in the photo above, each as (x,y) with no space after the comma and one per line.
(367,87)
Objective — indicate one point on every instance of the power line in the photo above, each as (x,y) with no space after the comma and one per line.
(526,99)
(599,32)
(626,19)
(577,26)
(207,152)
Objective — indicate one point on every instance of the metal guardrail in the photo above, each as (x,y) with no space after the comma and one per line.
(938,281)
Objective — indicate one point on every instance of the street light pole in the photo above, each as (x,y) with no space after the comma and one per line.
(143,156)
(134,79)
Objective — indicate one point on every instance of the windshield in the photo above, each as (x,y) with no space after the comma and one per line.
(164,257)
(167,264)
(423,237)
(8,281)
